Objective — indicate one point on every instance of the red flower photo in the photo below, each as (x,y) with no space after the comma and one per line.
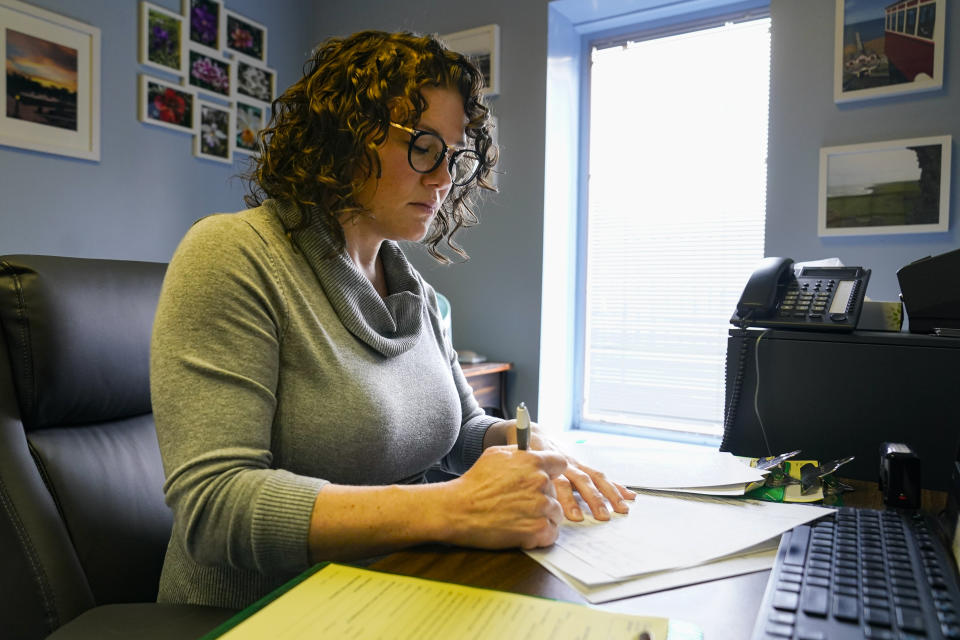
(169,106)
(166,104)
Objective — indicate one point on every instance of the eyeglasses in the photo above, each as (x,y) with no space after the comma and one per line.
(427,150)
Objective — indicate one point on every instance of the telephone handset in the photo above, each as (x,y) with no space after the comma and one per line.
(818,298)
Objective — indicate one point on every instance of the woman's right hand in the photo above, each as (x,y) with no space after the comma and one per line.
(506,499)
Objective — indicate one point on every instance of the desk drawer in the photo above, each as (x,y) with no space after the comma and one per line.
(486,389)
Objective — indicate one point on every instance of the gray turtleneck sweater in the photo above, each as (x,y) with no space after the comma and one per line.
(275,370)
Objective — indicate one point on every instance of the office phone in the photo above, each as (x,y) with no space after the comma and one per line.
(777,296)
(816,298)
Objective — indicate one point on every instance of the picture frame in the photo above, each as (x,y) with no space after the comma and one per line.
(214,135)
(482,46)
(897,186)
(495,139)
(204,22)
(885,48)
(166,104)
(51,87)
(209,73)
(253,82)
(162,44)
(245,38)
(250,118)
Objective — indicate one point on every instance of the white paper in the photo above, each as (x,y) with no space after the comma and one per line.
(757,558)
(652,468)
(669,531)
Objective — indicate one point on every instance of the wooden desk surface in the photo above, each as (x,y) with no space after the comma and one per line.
(724,609)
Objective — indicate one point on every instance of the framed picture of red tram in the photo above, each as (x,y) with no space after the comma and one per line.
(51,87)
(887,47)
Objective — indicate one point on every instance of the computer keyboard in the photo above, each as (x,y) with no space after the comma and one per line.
(861,574)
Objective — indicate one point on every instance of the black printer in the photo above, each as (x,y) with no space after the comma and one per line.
(930,290)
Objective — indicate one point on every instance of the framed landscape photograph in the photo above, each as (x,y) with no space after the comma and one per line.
(244,37)
(205,23)
(165,104)
(214,137)
(250,119)
(482,45)
(51,87)
(884,47)
(900,186)
(161,39)
(253,81)
(209,72)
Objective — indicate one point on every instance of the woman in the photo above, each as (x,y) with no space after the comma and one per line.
(301,381)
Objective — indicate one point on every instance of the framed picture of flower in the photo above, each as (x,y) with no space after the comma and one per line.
(51,87)
(205,23)
(214,138)
(253,81)
(246,38)
(209,72)
(250,118)
(161,39)
(166,104)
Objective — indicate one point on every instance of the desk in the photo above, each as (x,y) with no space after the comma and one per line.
(725,609)
(489,383)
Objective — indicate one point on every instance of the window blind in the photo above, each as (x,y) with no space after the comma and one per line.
(675,221)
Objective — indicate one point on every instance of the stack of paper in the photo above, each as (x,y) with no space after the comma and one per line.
(694,470)
(668,540)
(685,526)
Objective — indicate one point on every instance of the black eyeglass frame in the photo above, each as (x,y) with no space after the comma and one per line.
(416,134)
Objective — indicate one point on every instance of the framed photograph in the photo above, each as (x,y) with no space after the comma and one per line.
(214,137)
(165,104)
(205,24)
(495,136)
(52,83)
(162,44)
(253,81)
(885,47)
(482,45)
(209,72)
(245,38)
(251,117)
(900,186)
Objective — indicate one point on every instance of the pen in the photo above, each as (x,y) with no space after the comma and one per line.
(523,427)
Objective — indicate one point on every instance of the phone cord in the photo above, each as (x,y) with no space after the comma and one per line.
(733,401)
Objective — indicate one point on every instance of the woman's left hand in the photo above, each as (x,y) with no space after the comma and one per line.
(593,486)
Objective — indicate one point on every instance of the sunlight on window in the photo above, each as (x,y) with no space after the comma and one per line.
(677,189)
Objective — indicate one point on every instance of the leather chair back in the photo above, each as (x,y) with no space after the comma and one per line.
(82,516)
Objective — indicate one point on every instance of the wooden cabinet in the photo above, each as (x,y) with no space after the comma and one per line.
(489,383)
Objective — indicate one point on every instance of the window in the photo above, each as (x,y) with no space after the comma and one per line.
(674,222)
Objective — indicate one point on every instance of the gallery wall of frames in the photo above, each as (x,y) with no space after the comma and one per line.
(223,86)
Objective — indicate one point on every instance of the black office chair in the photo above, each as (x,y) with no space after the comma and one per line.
(83,525)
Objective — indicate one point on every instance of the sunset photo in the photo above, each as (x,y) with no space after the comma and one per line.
(41,81)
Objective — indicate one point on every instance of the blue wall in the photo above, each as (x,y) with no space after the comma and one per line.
(804,117)
(139,200)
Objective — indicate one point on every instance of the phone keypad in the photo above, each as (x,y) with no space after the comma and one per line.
(807,298)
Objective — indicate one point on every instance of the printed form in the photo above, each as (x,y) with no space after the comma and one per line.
(346,602)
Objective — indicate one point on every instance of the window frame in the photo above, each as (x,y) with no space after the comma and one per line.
(679,24)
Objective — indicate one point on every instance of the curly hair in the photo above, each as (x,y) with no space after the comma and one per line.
(320,147)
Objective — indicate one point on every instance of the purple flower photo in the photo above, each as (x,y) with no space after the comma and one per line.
(204,18)
(163,39)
